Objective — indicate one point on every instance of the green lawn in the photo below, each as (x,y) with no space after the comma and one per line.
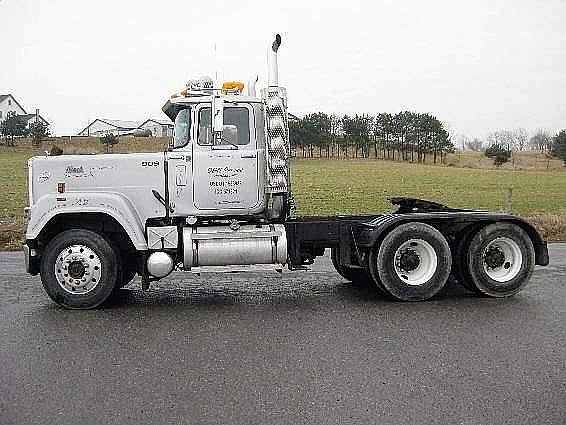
(323,187)
(13,183)
(339,186)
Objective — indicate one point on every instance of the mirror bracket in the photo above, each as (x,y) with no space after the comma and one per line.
(217,119)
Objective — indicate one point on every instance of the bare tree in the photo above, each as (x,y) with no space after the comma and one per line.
(542,141)
(475,145)
(463,141)
(521,138)
(504,138)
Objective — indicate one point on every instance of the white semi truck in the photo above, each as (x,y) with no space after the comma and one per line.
(219,200)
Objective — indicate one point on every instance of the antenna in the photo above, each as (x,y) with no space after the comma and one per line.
(215,67)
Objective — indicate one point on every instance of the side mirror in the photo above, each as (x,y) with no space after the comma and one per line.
(230,135)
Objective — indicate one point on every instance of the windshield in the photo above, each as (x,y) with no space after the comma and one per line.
(182,128)
(238,120)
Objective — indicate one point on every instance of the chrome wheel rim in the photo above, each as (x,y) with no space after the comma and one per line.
(78,269)
(415,262)
(502,259)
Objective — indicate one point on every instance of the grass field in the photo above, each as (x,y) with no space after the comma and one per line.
(520,160)
(325,187)
(13,184)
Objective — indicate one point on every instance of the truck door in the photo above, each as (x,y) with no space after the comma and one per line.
(226,174)
(180,167)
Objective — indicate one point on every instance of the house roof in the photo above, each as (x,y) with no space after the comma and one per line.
(121,124)
(117,124)
(160,122)
(293,117)
(5,96)
(27,117)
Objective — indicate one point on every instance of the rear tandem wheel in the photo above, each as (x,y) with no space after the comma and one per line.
(498,260)
(412,262)
(358,276)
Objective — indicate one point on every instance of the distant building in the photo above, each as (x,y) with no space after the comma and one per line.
(31,118)
(149,127)
(158,128)
(292,117)
(9,104)
(103,126)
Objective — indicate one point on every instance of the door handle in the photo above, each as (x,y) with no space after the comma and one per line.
(249,156)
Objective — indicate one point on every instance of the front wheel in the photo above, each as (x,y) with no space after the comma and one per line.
(412,262)
(500,259)
(79,269)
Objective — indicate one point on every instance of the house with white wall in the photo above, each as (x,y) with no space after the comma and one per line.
(104,126)
(158,128)
(9,104)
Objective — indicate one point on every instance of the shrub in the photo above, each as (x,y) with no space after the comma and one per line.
(55,150)
(559,146)
(109,141)
(498,153)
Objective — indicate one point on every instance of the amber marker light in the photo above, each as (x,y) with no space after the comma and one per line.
(232,86)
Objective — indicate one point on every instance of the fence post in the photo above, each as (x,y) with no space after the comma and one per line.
(510,200)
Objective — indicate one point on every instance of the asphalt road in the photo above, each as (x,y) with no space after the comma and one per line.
(301,347)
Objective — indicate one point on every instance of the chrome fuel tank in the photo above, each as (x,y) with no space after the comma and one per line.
(246,245)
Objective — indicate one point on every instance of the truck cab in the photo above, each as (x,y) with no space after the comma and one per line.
(217,176)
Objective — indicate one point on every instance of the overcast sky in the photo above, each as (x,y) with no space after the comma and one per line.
(477,65)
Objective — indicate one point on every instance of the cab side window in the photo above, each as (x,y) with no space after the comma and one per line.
(236,117)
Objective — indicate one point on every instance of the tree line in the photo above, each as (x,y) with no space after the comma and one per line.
(500,144)
(407,136)
(513,140)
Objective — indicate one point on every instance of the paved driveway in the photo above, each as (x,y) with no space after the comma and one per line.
(302,347)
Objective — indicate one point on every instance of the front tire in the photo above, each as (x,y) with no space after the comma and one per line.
(79,269)
(412,262)
(500,260)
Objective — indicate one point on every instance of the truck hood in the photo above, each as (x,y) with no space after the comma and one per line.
(134,176)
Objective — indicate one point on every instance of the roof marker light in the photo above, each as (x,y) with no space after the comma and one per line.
(232,87)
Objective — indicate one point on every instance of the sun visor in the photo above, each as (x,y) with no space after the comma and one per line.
(170,110)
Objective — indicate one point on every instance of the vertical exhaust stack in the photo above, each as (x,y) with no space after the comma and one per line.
(251,86)
(273,70)
(278,148)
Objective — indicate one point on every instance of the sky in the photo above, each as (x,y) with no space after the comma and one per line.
(478,66)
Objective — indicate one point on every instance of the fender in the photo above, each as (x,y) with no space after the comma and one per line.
(374,230)
(115,205)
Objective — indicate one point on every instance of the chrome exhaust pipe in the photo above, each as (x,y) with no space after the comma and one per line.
(273,72)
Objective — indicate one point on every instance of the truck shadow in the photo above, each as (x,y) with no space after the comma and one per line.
(259,290)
